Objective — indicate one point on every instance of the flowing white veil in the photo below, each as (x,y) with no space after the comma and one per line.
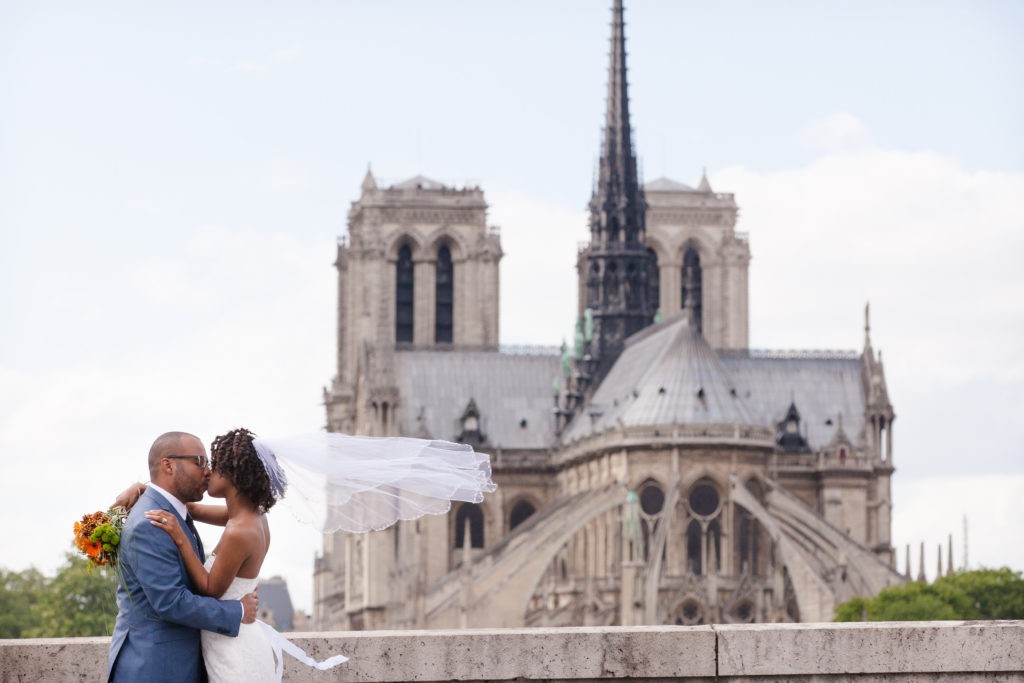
(357,483)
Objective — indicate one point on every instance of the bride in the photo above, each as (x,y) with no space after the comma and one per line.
(335,482)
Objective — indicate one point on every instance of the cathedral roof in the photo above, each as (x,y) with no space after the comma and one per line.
(419,182)
(512,392)
(823,385)
(666,375)
(666,185)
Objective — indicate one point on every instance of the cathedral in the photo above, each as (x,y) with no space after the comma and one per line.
(656,471)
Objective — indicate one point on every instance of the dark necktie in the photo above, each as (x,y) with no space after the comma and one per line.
(195,534)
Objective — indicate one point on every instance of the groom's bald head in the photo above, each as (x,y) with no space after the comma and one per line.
(166,444)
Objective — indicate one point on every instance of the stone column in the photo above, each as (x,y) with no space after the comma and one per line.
(423,302)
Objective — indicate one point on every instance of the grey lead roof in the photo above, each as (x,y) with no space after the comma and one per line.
(667,375)
(823,388)
(509,389)
(667,185)
(419,182)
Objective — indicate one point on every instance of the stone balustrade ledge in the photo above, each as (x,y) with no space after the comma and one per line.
(900,651)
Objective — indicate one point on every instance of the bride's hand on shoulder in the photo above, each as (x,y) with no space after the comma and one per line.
(162,519)
(129,496)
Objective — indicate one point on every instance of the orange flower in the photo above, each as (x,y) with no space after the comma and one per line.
(93,549)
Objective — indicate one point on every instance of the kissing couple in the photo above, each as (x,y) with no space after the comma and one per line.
(184,616)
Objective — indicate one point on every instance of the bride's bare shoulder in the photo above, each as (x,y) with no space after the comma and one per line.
(245,529)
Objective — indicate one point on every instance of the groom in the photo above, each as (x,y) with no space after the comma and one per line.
(156,636)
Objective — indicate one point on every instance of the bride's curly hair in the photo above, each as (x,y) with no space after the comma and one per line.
(233,456)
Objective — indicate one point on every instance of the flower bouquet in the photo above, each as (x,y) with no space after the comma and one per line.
(98,535)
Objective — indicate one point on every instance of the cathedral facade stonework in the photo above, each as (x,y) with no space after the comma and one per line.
(658,472)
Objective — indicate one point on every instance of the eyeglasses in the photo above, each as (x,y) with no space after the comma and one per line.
(201,460)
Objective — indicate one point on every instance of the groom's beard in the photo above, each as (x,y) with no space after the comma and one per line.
(188,489)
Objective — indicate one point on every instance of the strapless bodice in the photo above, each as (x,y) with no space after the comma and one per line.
(238,587)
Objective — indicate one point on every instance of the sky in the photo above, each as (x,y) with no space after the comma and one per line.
(174,178)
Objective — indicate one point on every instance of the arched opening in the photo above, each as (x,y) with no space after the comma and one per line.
(652,500)
(749,542)
(444,296)
(692,292)
(653,281)
(521,511)
(748,533)
(694,549)
(404,296)
(475,515)
(714,546)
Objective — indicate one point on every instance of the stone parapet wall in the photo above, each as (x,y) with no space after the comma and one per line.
(909,651)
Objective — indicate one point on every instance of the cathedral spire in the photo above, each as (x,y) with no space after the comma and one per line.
(617,205)
(618,261)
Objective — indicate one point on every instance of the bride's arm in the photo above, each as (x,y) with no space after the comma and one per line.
(129,496)
(209,514)
(232,551)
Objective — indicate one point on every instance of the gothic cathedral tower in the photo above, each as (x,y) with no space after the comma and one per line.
(417,270)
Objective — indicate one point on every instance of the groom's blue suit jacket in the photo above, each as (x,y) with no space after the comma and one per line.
(156,636)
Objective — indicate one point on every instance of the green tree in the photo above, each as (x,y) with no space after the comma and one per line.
(992,593)
(979,594)
(855,609)
(19,595)
(78,601)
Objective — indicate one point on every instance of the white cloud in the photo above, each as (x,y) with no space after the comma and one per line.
(933,246)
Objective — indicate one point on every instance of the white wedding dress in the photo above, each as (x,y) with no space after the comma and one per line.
(247,657)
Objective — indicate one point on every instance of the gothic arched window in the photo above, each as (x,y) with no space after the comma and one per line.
(444,296)
(714,537)
(749,541)
(521,511)
(403,296)
(652,500)
(692,285)
(694,548)
(475,515)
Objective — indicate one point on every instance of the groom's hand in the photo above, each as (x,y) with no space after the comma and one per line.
(250,605)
